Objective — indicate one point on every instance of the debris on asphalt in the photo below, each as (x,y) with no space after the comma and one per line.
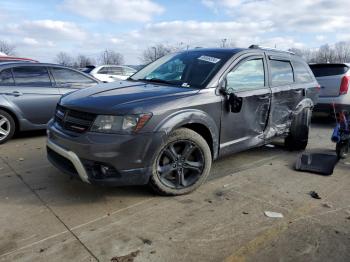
(127,258)
(273,214)
(219,193)
(270,145)
(209,201)
(146,241)
(314,194)
(326,205)
(21,159)
(348,218)
(245,213)
(153,252)
(322,164)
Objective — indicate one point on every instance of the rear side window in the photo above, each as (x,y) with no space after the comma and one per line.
(321,70)
(67,76)
(6,78)
(37,76)
(301,73)
(115,70)
(281,72)
(103,70)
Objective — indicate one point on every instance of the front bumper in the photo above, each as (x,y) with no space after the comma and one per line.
(103,159)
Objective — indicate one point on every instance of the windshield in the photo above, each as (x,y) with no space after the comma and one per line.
(193,69)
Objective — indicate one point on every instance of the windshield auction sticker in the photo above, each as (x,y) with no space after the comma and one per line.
(209,59)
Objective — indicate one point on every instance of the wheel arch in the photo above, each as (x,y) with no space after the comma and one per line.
(196,120)
(14,116)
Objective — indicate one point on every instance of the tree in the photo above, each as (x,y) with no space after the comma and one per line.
(7,48)
(110,57)
(153,53)
(64,59)
(342,51)
(82,61)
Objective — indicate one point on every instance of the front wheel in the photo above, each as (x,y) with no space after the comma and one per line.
(181,164)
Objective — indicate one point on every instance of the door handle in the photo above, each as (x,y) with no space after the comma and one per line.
(264,97)
(15,93)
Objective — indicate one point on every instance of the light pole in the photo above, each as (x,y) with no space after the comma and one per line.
(155,53)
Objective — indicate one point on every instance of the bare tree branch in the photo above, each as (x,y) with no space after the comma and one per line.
(110,57)
(7,48)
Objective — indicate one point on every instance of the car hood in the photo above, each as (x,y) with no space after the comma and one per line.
(109,98)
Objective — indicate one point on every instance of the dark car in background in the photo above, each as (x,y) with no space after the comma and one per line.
(169,121)
(334,80)
(29,93)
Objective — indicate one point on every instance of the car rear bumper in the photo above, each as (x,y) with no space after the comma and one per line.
(325,104)
(103,159)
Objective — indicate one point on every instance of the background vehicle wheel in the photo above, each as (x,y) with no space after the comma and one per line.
(7,127)
(299,132)
(181,164)
(342,150)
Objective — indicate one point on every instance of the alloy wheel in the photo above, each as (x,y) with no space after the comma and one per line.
(5,127)
(180,164)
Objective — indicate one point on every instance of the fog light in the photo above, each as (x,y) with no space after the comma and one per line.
(105,170)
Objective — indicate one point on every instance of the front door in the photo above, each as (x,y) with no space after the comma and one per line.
(245,129)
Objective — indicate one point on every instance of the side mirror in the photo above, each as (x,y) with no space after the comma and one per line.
(235,103)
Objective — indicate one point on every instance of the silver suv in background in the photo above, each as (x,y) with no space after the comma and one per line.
(29,93)
(111,73)
(334,80)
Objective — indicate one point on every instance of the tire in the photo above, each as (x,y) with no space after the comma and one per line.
(342,150)
(7,127)
(298,136)
(181,164)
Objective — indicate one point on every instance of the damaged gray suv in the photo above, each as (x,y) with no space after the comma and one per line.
(166,124)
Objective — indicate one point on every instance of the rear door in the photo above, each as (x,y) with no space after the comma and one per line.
(283,95)
(33,93)
(68,80)
(329,76)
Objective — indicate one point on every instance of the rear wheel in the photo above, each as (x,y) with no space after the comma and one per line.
(7,127)
(298,136)
(181,164)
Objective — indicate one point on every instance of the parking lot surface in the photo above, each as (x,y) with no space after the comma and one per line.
(46,216)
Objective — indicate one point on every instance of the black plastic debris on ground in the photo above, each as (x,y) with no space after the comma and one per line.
(318,163)
(314,194)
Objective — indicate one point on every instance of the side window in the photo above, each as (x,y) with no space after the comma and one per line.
(36,76)
(6,78)
(128,71)
(103,70)
(67,76)
(281,72)
(248,75)
(115,70)
(301,73)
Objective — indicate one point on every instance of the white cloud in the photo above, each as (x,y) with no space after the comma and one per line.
(30,41)
(296,16)
(47,29)
(114,10)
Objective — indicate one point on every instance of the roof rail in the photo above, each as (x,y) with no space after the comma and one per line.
(270,48)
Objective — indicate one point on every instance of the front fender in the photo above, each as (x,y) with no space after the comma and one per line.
(191,116)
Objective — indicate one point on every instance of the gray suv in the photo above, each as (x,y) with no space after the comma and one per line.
(29,93)
(166,124)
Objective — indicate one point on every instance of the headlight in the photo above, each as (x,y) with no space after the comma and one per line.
(116,124)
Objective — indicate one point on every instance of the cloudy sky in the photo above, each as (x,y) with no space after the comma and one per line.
(42,28)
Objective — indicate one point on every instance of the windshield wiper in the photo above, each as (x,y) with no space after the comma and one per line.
(156,80)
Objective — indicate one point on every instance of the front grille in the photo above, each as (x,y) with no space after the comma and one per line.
(73,120)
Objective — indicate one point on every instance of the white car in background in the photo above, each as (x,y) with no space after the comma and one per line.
(111,73)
